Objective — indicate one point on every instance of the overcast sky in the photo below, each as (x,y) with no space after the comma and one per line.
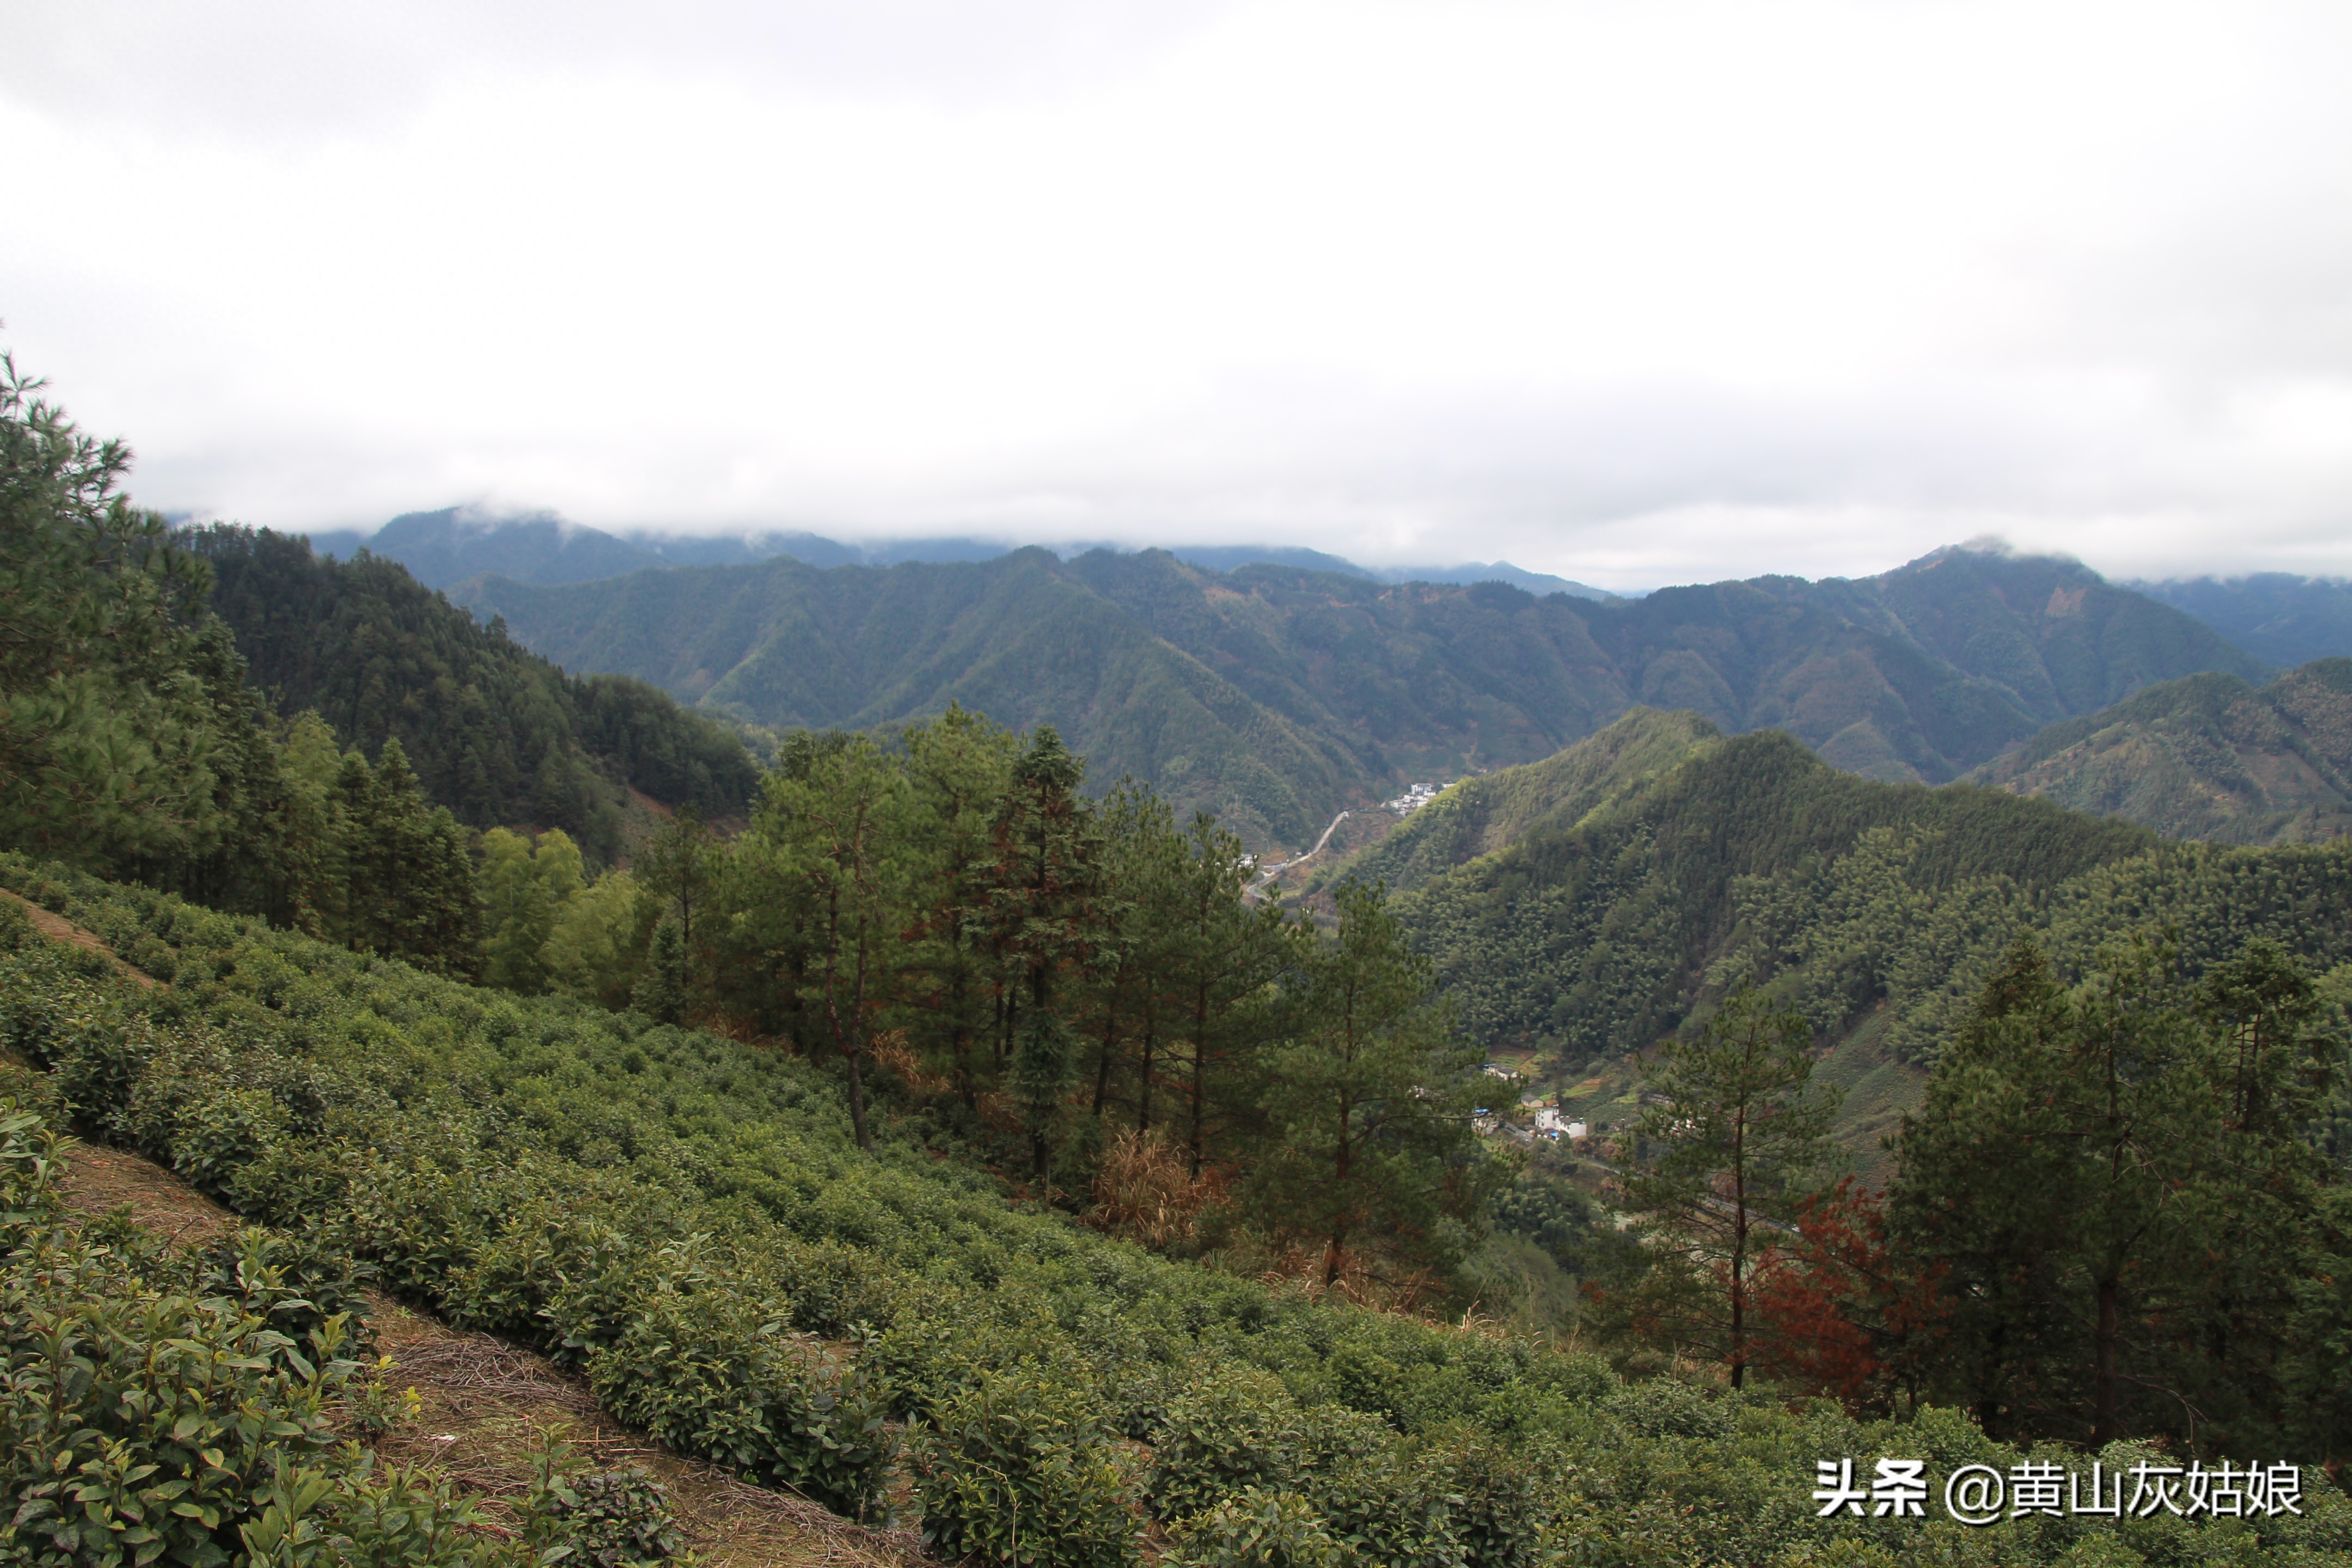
(1637,292)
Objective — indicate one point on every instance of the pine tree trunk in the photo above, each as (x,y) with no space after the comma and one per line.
(2103,1416)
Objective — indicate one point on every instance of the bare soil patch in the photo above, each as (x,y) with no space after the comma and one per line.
(57,928)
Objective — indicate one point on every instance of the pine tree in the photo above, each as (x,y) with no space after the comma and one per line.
(661,994)
(2115,1179)
(409,890)
(1043,916)
(681,863)
(1224,955)
(1368,1104)
(1734,1141)
(835,836)
(961,767)
(113,698)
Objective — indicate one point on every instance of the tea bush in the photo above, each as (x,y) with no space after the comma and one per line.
(157,1406)
(1018,1470)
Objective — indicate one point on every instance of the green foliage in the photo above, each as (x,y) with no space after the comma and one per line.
(1750,857)
(1224,1434)
(1493,811)
(1370,1107)
(1017,1470)
(676,1209)
(407,887)
(712,1372)
(127,743)
(2206,757)
(1255,1527)
(497,735)
(1731,1142)
(1266,695)
(526,888)
(155,1407)
(598,941)
(2115,1181)
(596,1518)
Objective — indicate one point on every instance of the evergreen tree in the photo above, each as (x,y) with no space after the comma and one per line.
(661,993)
(1133,994)
(526,889)
(681,863)
(1368,1106)
(1043,916)
(2116,1181)
(1733,1140)
(960,768)
(836,836)
(115,731)
(409,877)
(1224,955)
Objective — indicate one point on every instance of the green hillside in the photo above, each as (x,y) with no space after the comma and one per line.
(495,734)
(1492,812)
(1874,909)
(957,1148)
(1275,696)
(2206,757)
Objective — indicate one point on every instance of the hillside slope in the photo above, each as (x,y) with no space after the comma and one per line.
(2206,757)
(1275,695)
(1492,812)
(495,732)
(1591,939)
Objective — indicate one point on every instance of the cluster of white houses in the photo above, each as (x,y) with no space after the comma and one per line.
(1550,1120)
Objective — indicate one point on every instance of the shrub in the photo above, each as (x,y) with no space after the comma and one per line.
(722,1376)
(1228,1431)
(147,1417)
(1018,1472)
(596,1518)
(1255,1527)
(1664,1407)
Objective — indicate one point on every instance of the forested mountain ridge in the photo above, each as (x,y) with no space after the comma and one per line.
(951,1143)
(2206,757)
(1275,696)
(1493,811)
(1593,939)
(495,732)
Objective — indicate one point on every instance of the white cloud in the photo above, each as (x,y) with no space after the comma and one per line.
(1634,293)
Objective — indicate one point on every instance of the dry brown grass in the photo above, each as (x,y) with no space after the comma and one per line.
(1144,1190)
(98,1180)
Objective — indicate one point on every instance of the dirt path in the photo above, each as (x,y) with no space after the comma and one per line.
(484,1401)
(57,928)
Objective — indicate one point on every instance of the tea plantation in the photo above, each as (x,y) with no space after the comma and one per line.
(687,1220)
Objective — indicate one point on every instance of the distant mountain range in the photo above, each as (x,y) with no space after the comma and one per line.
(1277,695)
(2280,619)
(443,549)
